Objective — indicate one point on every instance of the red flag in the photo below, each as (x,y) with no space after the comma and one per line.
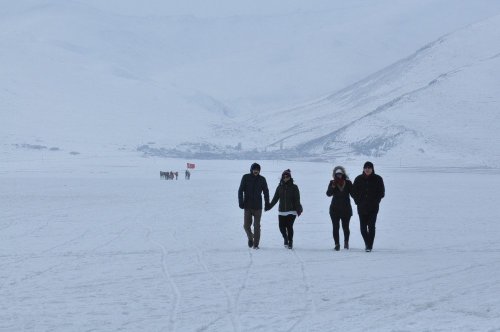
(190,165)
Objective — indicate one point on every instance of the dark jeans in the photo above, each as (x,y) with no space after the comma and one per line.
(247,225)
(336,227)
(286,226)
(367,225)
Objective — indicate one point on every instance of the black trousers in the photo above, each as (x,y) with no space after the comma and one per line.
(336,227)
(286,226)
(367,225)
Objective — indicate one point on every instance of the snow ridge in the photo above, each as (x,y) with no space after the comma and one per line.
(370,117)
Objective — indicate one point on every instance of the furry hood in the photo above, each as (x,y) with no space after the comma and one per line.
(342,169)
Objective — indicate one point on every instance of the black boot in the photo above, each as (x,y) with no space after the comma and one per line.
(250,243)
(337,247)
(346,244)
(290,244)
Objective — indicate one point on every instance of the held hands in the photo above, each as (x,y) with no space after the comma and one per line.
(267,207)
(299,211)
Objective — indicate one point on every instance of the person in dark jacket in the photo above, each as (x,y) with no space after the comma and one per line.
(288,194)
(368,190)
(250,199)
(340,189)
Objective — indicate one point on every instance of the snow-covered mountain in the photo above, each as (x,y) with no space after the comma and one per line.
(441,103)
(247,80)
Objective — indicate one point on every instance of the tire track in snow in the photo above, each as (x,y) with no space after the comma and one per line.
(236,304)
(41,253)
(311,307)
(68,242)
(244,284)
(210,324)
(422,305)
(421,279)
(168,276)
(107,243)
(230,303)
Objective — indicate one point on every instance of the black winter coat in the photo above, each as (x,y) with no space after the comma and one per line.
(250,192)
(367,192)
(341,200)
(289,196)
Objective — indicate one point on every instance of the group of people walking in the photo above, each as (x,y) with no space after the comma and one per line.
(367,191)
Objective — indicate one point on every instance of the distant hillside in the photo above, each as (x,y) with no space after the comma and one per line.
(441,103)
(246,79)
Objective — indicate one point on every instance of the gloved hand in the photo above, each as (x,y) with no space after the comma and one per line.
(299,211)
(241,205)
(332,183)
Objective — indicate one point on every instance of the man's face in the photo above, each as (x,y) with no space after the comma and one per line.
(368,170)
(255,172)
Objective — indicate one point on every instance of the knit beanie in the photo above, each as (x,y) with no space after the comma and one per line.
(255,166)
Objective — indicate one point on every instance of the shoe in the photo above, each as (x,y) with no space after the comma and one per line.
(346,244)
(368,250)
(256,247)
(285,243)
(290,245)
(337,247)
(250,243)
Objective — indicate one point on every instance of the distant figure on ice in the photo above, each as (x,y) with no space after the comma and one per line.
(250,199)
(368,190)
(288,194)
(171,175)
(340,189)
(187,175)
(176,175)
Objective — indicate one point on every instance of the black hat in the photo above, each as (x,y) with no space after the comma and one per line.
(255,166)
(286,172)
(368,164)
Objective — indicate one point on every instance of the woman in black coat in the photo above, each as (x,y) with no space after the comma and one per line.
(290,208)
(340,189)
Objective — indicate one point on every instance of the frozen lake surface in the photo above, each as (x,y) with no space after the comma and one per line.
(111,247)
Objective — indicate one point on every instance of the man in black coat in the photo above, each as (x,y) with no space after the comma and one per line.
(368,190)
(250,199)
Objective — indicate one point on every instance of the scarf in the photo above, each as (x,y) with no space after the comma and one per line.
(340,183)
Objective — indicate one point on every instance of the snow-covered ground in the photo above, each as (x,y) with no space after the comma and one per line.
(102,244)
